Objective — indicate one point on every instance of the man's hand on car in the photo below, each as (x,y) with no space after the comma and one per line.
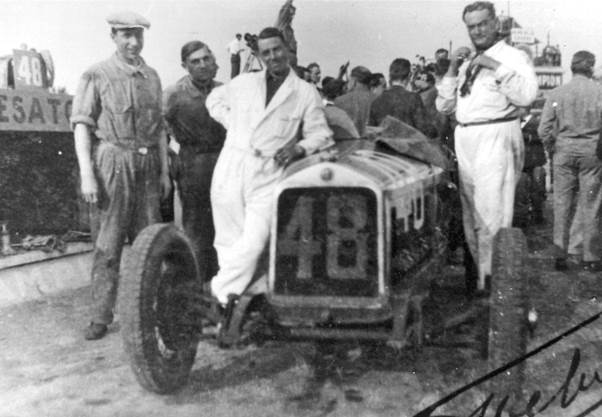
(288,154)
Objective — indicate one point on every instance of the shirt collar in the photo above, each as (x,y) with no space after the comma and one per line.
(270,78)
(193,90)
(129,69)
(580,77)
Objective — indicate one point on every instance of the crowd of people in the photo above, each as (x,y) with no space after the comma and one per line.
(410,97)
(236,139)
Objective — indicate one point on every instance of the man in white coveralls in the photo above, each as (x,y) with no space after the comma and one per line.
(272,118)
(485,91)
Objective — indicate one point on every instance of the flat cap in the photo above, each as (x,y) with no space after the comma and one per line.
(362,74)
(126,20)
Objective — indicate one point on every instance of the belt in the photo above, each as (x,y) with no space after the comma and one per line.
(258,153)
(142,150)
(489,122)
(201,148)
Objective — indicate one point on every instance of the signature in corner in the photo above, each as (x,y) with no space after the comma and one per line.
(532,408)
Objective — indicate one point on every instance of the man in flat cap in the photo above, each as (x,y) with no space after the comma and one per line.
(200,138)
(485,92)
(356,102)
(121,149)
(272,118)
(570,127)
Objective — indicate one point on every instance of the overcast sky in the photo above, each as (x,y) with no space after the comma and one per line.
(368,32)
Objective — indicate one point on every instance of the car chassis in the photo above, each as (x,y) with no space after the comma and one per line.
(357,238)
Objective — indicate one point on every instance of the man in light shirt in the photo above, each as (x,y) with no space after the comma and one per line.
(570,128)
(235,47)
(485,93)
(263,112)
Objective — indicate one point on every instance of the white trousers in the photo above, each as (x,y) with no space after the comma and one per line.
(490,160)
(241,200)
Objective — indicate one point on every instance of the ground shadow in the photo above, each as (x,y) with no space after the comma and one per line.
(260,363)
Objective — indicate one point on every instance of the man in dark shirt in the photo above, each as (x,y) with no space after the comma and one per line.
(569,128)
(400,103)
(200,139)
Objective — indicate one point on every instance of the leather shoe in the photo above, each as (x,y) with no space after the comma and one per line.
(561,264)
(95,331)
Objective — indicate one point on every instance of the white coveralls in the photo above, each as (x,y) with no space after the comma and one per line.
(246,174)
(491,155)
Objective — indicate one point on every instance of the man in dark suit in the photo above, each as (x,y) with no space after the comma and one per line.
(400,103)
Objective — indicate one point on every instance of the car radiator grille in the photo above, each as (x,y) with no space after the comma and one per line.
(327,242)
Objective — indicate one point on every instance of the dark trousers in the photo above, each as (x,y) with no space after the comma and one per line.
(194,182)
(129,198)
(235,63)
(578,171)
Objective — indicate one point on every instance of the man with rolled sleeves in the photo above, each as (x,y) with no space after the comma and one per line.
(125,171)
(200,138)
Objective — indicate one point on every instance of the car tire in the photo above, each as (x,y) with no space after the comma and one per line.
(158,278)
(508,310)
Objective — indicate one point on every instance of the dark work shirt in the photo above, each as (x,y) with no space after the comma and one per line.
(272,85)
(572,111)
(188,119)
(403,105)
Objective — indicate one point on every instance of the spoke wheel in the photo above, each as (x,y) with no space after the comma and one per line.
(159,281)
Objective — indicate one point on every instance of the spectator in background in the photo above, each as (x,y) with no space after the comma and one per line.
(300,71)
(569,128)
(400,103)
(441,53)
(303,73)
(421,63)
(307,75)
(327,79)
(338,120)
(314,73)
(235,47)
(425,87)
(358,99)
(441,67)
(378,84)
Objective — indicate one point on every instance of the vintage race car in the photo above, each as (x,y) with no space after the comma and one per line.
(357,238)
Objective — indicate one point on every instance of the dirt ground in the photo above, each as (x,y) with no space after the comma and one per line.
(48,369)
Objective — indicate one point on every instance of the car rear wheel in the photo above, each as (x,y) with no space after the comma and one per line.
(508,325)
(158,279)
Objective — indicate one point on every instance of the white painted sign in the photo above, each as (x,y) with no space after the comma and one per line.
(522,35)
